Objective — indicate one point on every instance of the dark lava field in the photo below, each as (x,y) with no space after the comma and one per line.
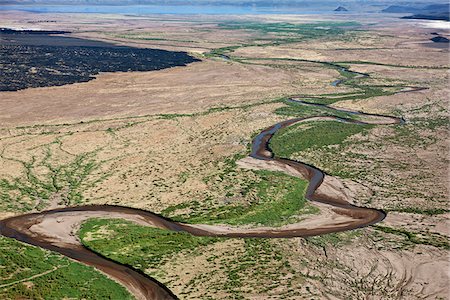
(41,60)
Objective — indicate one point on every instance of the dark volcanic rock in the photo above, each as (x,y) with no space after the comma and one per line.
(431,16)
(30,61)
(440,39)
(341,8)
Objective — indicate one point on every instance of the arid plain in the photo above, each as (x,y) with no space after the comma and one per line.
(175,142)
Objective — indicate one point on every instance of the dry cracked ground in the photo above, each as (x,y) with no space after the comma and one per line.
(167,141)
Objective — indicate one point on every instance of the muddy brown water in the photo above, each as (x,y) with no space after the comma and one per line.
(144,287)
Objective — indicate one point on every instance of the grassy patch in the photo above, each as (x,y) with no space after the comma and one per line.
(56,277)
(302,137)
(137,246)
(286,30)
(298,110)
(276,199)
(224,50)
(362,92)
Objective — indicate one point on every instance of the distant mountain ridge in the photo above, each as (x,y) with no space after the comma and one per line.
(365,6)
(416,8)
(428,12)
(332,3)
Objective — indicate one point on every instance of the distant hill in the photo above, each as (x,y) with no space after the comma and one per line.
(341,8)
(417,8)
(428,12)
(399,9)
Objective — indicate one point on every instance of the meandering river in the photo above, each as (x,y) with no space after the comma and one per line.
(56,229)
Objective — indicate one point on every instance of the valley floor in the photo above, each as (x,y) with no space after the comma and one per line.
(174,142)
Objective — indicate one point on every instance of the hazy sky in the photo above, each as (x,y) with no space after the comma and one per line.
(256,2)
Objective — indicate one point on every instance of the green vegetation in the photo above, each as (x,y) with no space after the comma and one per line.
(348,78)
(259,266)
(295,109)
(55,128)
(287,30)
(277,199)
(28,272)
(141,37)
(250,264)
(314,135)
(420,238)
(284,33)
(285,143)
(364,168)
(359,62)
(421,211)
(224,50)
(334,239)
(356,82)
(137,246)
(214,110)
(292,33)
(62,182)
(362,92)
(408,134)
